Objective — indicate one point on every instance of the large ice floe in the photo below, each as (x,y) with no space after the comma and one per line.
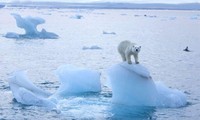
(133,85)
(29,24)
(74,81)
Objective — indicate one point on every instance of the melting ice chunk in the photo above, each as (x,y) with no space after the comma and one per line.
(25,92)
(75,80)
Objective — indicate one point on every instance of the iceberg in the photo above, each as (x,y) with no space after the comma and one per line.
(29,24)
(133,85)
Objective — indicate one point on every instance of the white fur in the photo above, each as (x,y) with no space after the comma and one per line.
(126,49)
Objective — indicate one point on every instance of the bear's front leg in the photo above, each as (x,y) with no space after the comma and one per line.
(136,59)
(123,57)
(129,62)
(128,58)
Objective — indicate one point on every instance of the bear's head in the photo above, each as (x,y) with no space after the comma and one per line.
(136,49)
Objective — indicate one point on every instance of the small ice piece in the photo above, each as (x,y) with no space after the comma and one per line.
(93,47)
(194,18)
(19,78)
(77,17)
(12,35)
(25,92)
(111,33)
(75,80)
(172,18)
(44,35)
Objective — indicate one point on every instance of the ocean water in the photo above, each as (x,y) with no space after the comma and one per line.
(163,34)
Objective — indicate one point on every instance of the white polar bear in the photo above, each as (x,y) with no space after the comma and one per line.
(126,49)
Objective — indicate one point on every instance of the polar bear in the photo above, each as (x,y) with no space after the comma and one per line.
(126,49)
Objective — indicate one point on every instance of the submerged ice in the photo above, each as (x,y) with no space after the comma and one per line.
(133,85)
(29,24)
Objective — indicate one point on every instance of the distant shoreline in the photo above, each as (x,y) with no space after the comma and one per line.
(107,5)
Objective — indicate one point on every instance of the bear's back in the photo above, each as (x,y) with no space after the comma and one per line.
(124,45)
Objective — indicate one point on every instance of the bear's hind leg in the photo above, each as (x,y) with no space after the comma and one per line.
(123,57)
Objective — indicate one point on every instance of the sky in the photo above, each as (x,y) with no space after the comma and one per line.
(130,1)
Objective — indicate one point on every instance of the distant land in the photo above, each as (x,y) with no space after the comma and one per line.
(107,5)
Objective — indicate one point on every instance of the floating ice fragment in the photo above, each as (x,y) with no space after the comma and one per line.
(75,80)
(111,33)
(77,17)
(25,92)
(29,24)
(12,35)
(194,17)
(172,18)
(92,47)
